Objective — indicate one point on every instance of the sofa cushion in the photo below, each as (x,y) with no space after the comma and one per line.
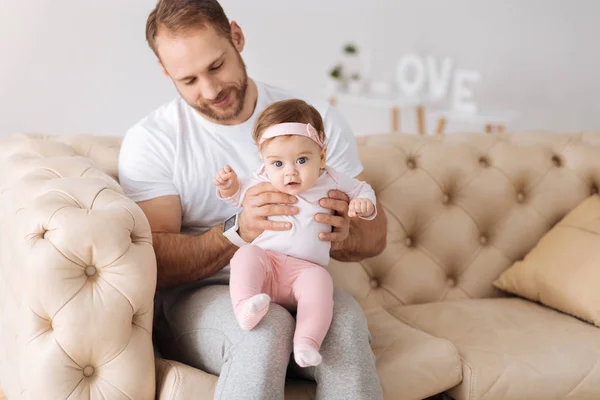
(175,380)
(563,270)
(514,349)
(411,364)
(179,381)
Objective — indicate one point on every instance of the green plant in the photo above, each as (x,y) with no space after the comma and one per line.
(350,49)
(336,72)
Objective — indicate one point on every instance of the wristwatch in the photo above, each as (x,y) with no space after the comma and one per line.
(230,231)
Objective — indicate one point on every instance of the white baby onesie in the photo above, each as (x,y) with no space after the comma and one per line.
(302,240)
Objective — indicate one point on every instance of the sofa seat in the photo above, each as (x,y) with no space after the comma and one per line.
(179,381)
(411,364)
(514,349)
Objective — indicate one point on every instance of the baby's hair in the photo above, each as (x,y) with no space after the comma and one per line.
(293,110)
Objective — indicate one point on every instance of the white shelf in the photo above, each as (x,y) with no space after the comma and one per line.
(379,100)
(483,117)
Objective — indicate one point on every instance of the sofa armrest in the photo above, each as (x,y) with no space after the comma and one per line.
(78,254)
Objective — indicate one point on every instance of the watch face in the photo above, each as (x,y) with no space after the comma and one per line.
(229,223)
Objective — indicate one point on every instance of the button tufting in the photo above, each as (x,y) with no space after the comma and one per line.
(410,163)
(90,270)
(451,282)
(556,160)
(594,189)
(520,197)
(374,283)
(446,199)
(483,162)
(88,371)
(483,239)
(408,242)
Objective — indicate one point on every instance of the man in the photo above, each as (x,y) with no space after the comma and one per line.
(166,164)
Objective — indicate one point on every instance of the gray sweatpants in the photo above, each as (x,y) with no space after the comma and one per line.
(196,325)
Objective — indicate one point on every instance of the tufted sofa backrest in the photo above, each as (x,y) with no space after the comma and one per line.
(462,208)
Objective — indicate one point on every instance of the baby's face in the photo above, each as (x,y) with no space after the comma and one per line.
(293,163)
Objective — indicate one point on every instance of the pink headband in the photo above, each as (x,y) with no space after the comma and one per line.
(292,128)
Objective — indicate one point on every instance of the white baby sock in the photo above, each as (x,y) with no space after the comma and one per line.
(306,355)
(253,310)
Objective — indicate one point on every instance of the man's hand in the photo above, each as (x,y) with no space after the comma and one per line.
(262,201)
(340,221)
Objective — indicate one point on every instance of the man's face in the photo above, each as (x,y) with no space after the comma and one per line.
(207,70)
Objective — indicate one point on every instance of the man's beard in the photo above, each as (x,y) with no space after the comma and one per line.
(234,92)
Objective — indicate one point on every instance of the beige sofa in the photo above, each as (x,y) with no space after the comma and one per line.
(78,272)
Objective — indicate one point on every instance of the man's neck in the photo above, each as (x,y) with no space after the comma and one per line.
(249,105)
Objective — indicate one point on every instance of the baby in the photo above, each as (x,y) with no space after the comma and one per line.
(287,267)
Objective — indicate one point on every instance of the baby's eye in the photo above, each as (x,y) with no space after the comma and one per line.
(278,164)
(301,160)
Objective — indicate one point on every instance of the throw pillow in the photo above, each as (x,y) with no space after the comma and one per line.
(563,270)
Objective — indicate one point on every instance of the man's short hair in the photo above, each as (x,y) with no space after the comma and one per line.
(178,16)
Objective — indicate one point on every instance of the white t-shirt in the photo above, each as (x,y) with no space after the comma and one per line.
(302,240)
(175,151)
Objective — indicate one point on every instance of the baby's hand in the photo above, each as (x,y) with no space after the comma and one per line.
(360,208)
(227,181)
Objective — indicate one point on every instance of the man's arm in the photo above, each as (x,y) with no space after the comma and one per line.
(352,239)
(183,258)
(365,238)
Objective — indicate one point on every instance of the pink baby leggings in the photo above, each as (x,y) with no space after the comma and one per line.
(291,282)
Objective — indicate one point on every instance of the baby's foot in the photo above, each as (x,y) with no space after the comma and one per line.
(253,310)
(306,355)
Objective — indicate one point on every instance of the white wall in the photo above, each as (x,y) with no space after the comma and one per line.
(83,65)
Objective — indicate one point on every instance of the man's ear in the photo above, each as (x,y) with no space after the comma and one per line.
(323,156)
(237,37)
